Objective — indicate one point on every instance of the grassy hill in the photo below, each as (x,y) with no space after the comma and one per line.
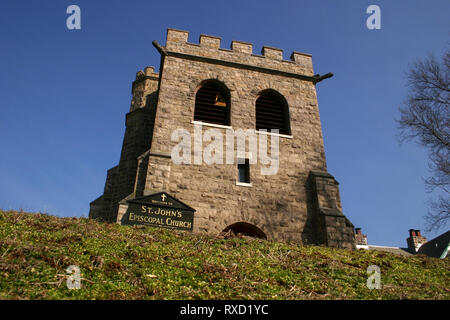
(120,262)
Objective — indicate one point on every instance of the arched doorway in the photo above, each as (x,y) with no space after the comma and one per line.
(246,229)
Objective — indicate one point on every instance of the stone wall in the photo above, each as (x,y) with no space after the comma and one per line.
(275,204)
(121,180)
(331,227)
(288,206)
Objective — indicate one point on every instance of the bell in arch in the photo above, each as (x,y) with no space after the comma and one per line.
(220,101)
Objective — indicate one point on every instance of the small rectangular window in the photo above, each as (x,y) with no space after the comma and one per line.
(244,171)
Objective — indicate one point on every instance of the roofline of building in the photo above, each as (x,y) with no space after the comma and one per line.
(314,79)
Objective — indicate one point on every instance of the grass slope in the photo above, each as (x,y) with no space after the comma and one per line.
(120,262)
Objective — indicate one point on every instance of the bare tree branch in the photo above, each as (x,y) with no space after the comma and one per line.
(425,118)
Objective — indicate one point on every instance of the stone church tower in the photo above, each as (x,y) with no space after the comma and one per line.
(202,86)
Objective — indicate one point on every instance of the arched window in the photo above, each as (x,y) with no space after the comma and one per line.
(212,103)
(272,112)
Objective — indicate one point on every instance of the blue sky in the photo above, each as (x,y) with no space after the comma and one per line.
(64,93)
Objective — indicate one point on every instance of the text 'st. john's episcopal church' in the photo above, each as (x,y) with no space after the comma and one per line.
(201,87)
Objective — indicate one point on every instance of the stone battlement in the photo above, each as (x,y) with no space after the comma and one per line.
(146,82)
(148,73)
(240,52)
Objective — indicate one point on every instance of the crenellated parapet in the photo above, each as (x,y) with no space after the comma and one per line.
(145,84)
(240,53)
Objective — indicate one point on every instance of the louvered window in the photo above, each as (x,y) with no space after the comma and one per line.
(212,104)
(272,112)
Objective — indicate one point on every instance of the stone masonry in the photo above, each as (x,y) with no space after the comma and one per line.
(300,203)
